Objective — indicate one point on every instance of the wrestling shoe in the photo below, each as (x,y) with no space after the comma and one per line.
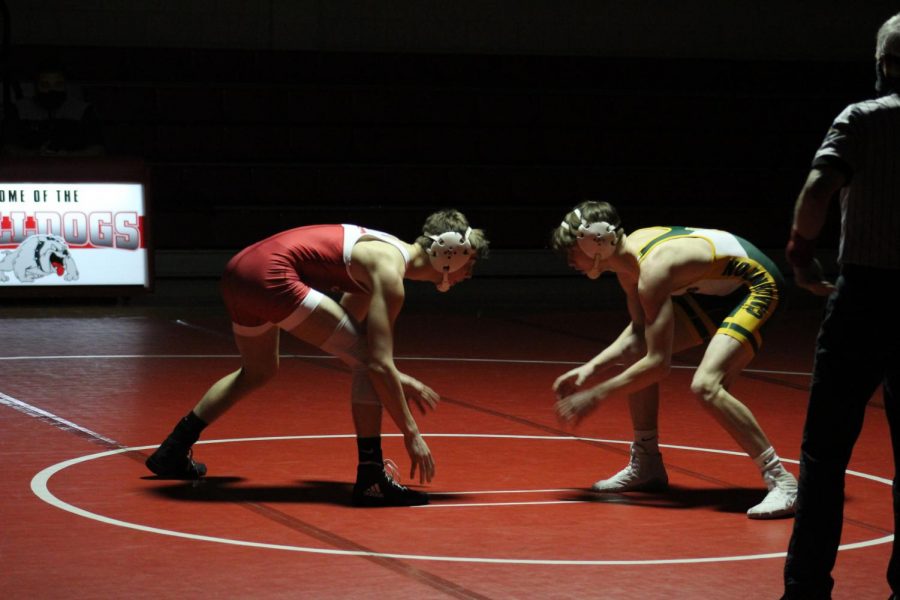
(782,497)
(644,473)
(172,461)
(379,487)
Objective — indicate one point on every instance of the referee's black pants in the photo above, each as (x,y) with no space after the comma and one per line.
(858,349)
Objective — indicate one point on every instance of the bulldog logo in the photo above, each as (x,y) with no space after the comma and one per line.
(38,256)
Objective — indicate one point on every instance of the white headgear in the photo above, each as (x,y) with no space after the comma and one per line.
(597,240)
(449,253)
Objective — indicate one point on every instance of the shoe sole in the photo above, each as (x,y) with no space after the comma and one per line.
(363,501)
(652,486)
(380,503)
(198,471)
(772,516)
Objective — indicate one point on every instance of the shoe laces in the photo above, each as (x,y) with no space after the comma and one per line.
(392,473)
(634,464)
(780,479)
(198,477)
(638,460)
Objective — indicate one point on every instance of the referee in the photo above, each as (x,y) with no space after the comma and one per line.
(858,347)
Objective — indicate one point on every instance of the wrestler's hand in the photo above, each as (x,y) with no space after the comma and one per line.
(568,383)
(424,397)
(573,408)
(812,279)
(420,456)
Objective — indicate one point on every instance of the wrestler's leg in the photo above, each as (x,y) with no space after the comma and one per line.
(645,470)
(723,361)
(259,362)
(643,405)
(330,327)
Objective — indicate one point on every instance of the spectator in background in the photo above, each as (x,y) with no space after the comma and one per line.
(858,348)
(54,121)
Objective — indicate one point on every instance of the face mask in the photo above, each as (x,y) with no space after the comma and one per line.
(50,100)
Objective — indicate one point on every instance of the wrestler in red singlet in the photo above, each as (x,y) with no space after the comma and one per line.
(280,284)
(268,281)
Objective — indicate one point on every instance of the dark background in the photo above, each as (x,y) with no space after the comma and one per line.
(254,117)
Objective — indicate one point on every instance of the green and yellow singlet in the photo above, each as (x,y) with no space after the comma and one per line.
(737,264)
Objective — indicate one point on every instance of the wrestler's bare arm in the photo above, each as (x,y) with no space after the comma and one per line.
(625,349)
(652,310)
(357,305)
(382,268)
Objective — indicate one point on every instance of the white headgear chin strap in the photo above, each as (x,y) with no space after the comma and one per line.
(449,253)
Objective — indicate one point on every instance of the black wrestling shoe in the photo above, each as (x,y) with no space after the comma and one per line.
(173,461)
(377,487)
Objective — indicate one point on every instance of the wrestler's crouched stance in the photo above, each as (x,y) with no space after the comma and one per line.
(271,286)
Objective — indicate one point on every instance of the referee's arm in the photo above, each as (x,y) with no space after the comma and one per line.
(812,203)
(809,217)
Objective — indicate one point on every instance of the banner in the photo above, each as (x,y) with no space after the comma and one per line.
(73,234)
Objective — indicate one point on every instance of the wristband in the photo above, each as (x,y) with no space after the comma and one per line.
(800,251)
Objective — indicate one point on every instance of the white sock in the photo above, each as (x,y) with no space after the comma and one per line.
(647,439)
(768,460)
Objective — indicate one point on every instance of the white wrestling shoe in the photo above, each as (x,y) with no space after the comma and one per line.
(781,499)
(644,473)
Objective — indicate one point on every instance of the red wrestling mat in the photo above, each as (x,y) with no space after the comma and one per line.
(510,517)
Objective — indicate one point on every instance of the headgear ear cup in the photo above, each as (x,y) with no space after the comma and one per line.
(449,252)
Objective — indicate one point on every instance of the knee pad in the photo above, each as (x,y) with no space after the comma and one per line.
(347,344)
(362,390)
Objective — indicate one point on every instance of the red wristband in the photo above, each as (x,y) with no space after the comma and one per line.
(800,251)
